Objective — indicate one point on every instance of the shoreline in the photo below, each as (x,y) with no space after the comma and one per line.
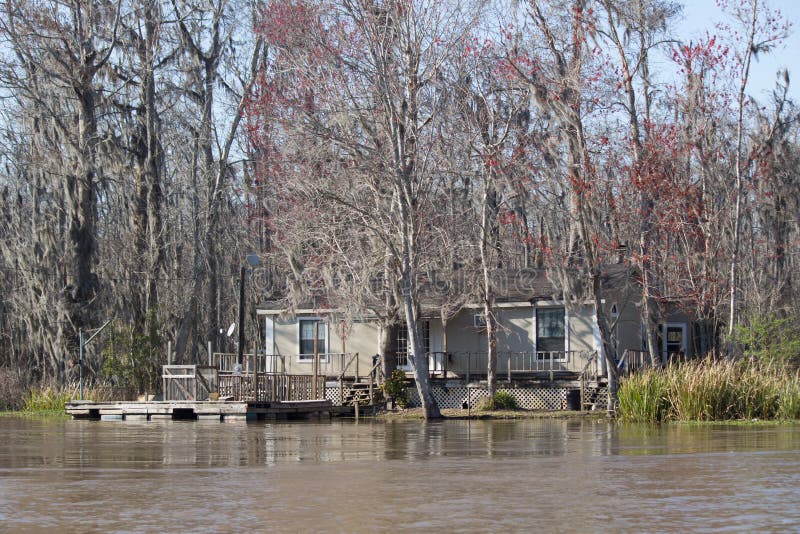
(460,414)
(50,414)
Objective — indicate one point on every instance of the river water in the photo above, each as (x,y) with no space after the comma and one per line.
(341,476)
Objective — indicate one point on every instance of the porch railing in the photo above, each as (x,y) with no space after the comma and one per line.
(632,360)
(437,362)
(468,364)
(225,361)
(270,387)
(331,364)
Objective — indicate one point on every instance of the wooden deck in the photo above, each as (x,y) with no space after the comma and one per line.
(205,410)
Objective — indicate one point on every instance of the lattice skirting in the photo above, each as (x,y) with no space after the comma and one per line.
(454,396)
(528,398)
(332,393)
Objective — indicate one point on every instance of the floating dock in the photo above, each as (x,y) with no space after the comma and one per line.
(205,410)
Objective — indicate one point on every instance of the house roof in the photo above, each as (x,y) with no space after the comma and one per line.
(512,287)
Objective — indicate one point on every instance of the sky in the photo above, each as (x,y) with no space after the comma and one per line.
(700,16)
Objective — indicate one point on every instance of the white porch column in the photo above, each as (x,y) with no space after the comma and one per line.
(598,342)
(269,343)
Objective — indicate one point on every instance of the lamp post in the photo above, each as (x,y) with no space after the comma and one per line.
(83,343)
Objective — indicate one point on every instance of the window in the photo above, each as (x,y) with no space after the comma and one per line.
(550,330)
(307,328)
(402,342)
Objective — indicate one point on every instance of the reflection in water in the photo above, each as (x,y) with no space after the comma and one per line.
(341,476)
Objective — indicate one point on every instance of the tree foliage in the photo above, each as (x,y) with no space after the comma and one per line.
(133,359)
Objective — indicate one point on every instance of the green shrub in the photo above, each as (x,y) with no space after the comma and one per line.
(395,387)
(133,359)
(501,400)
(770,340)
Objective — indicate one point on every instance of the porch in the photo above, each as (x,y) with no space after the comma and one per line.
(464,365)
(350,378)
(469,366)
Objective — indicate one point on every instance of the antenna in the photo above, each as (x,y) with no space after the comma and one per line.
(231,328)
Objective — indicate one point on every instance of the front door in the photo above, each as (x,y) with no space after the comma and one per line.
(674,340)
(403,348)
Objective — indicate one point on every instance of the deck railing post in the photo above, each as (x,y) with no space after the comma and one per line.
(315,366)
(371,378)
(255,375)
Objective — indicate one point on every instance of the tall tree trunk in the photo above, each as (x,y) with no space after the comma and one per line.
(147,177)
(488,231)
(739,170)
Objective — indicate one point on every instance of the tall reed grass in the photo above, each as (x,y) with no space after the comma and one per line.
(707,390)
(46,399)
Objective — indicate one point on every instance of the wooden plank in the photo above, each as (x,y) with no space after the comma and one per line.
(177,384)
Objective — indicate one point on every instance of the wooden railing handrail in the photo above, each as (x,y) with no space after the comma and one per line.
(270,387)
(593,358)
(347,365)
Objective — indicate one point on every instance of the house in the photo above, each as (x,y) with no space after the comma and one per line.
(539,334)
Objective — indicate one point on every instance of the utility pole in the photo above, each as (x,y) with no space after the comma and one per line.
(240,348)
(83,343)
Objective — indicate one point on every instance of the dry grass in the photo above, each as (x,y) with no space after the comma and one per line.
(15,396)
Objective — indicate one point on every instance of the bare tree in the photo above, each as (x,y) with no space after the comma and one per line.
(59,50)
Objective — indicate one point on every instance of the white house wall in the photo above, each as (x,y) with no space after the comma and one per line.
(628,329)
(581,329)
(462,336)
(362,338)
(515,332)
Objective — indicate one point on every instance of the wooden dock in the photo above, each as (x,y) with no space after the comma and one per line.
(205,410)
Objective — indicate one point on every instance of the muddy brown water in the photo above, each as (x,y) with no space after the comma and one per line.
(482,476)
